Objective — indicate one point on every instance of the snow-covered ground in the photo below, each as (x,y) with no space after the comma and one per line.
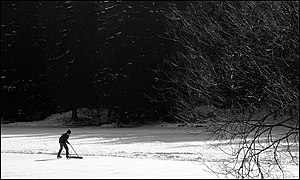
(28,150)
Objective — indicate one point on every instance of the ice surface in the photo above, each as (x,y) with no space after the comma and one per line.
(14,165)
(143,152)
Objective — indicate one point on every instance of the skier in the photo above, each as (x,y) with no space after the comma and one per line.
(62,142)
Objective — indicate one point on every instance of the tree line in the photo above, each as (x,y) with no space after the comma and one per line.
(59,56)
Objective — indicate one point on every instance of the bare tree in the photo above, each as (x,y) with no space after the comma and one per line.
(236,72)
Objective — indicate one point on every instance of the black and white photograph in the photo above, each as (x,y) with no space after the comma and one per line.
(149,89)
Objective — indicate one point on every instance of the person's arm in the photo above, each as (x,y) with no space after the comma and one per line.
(67,137)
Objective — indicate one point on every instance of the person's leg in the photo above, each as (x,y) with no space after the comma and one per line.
(67,149)
(61,147)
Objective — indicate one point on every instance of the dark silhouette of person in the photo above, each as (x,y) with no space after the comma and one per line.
(63,140)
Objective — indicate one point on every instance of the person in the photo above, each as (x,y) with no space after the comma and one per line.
(63,140)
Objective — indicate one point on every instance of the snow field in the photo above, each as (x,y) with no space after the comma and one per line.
(97,167)
(144,152)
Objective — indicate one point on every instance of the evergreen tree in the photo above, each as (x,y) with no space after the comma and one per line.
(22,61)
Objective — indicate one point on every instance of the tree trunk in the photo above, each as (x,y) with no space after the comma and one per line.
(74,114)
(109,114)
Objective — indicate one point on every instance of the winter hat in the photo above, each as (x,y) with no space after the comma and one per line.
(69,131)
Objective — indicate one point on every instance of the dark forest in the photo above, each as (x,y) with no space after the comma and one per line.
(151,59)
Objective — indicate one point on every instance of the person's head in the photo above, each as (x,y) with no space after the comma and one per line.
(68,131)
